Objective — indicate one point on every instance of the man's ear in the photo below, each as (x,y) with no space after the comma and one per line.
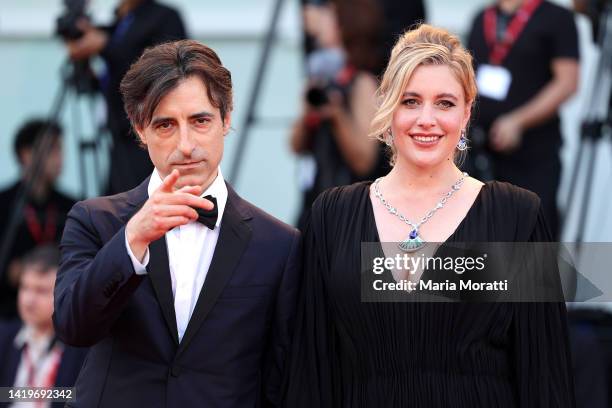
(227,123)
(141,135)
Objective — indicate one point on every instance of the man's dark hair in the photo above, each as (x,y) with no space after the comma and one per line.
(161,68)
(43,259)
(30,131)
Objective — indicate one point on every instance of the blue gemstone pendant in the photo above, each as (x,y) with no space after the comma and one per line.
(412,243)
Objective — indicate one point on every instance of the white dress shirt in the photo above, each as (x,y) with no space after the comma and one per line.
(190,251)
(36,359)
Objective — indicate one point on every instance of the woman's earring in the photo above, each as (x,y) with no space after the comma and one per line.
(389,139)
(463,142)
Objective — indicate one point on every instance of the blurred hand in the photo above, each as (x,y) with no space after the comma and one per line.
(164,210)
(506,134)
(334,109)
(91,43)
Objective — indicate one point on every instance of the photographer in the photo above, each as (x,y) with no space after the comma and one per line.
(339,101)
(138,24)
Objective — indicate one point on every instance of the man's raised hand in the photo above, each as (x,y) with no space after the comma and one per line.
(165,209)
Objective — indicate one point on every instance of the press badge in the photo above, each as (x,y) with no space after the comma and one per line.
(493,81)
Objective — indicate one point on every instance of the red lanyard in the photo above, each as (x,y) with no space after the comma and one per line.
(32,369)
(35,227)
(498,50)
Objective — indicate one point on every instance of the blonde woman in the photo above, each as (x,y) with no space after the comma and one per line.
(347,353)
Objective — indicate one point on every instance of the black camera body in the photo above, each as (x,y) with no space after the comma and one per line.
(317,95)
(66,23)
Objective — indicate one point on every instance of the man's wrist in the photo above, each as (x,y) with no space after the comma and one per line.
(140,265)
(138,247)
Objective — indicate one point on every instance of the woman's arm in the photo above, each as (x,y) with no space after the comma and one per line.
(351,128)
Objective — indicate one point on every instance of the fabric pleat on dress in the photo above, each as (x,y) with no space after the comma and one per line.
(348,353)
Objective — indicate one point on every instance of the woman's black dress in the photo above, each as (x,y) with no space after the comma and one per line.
(352,354)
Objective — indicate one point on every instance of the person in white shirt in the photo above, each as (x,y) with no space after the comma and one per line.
(184,291)
(31,354)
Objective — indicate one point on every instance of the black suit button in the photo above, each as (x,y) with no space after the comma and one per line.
(175,371)
(111,288)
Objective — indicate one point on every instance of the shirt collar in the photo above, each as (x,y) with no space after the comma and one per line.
(217,189)
(25,335)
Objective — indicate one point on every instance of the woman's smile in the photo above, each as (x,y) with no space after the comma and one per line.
(425,140)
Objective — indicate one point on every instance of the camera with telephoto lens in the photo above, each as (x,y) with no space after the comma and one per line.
(66,23)
(81,77)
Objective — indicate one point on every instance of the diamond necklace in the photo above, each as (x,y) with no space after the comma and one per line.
(413,241)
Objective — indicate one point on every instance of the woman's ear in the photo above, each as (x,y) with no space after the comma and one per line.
(467,113)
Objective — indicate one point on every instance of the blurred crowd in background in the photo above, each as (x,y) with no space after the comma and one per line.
(527,59)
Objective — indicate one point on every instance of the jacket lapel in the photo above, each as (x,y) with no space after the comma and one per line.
(135,199)
(159,273)
(234,237)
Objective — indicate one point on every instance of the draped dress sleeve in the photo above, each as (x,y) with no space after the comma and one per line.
(541,343)
(309,381)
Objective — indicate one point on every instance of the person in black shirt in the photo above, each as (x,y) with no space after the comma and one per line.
(138,24)
(44,214)
(522,84)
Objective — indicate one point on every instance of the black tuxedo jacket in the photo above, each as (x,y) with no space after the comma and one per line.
(10,356)
(234,349)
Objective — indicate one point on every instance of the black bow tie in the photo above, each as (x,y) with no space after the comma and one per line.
(208,217)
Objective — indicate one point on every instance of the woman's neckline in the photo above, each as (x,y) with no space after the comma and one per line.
(451,237)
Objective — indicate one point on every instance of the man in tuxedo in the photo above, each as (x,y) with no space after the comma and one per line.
(184,291)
